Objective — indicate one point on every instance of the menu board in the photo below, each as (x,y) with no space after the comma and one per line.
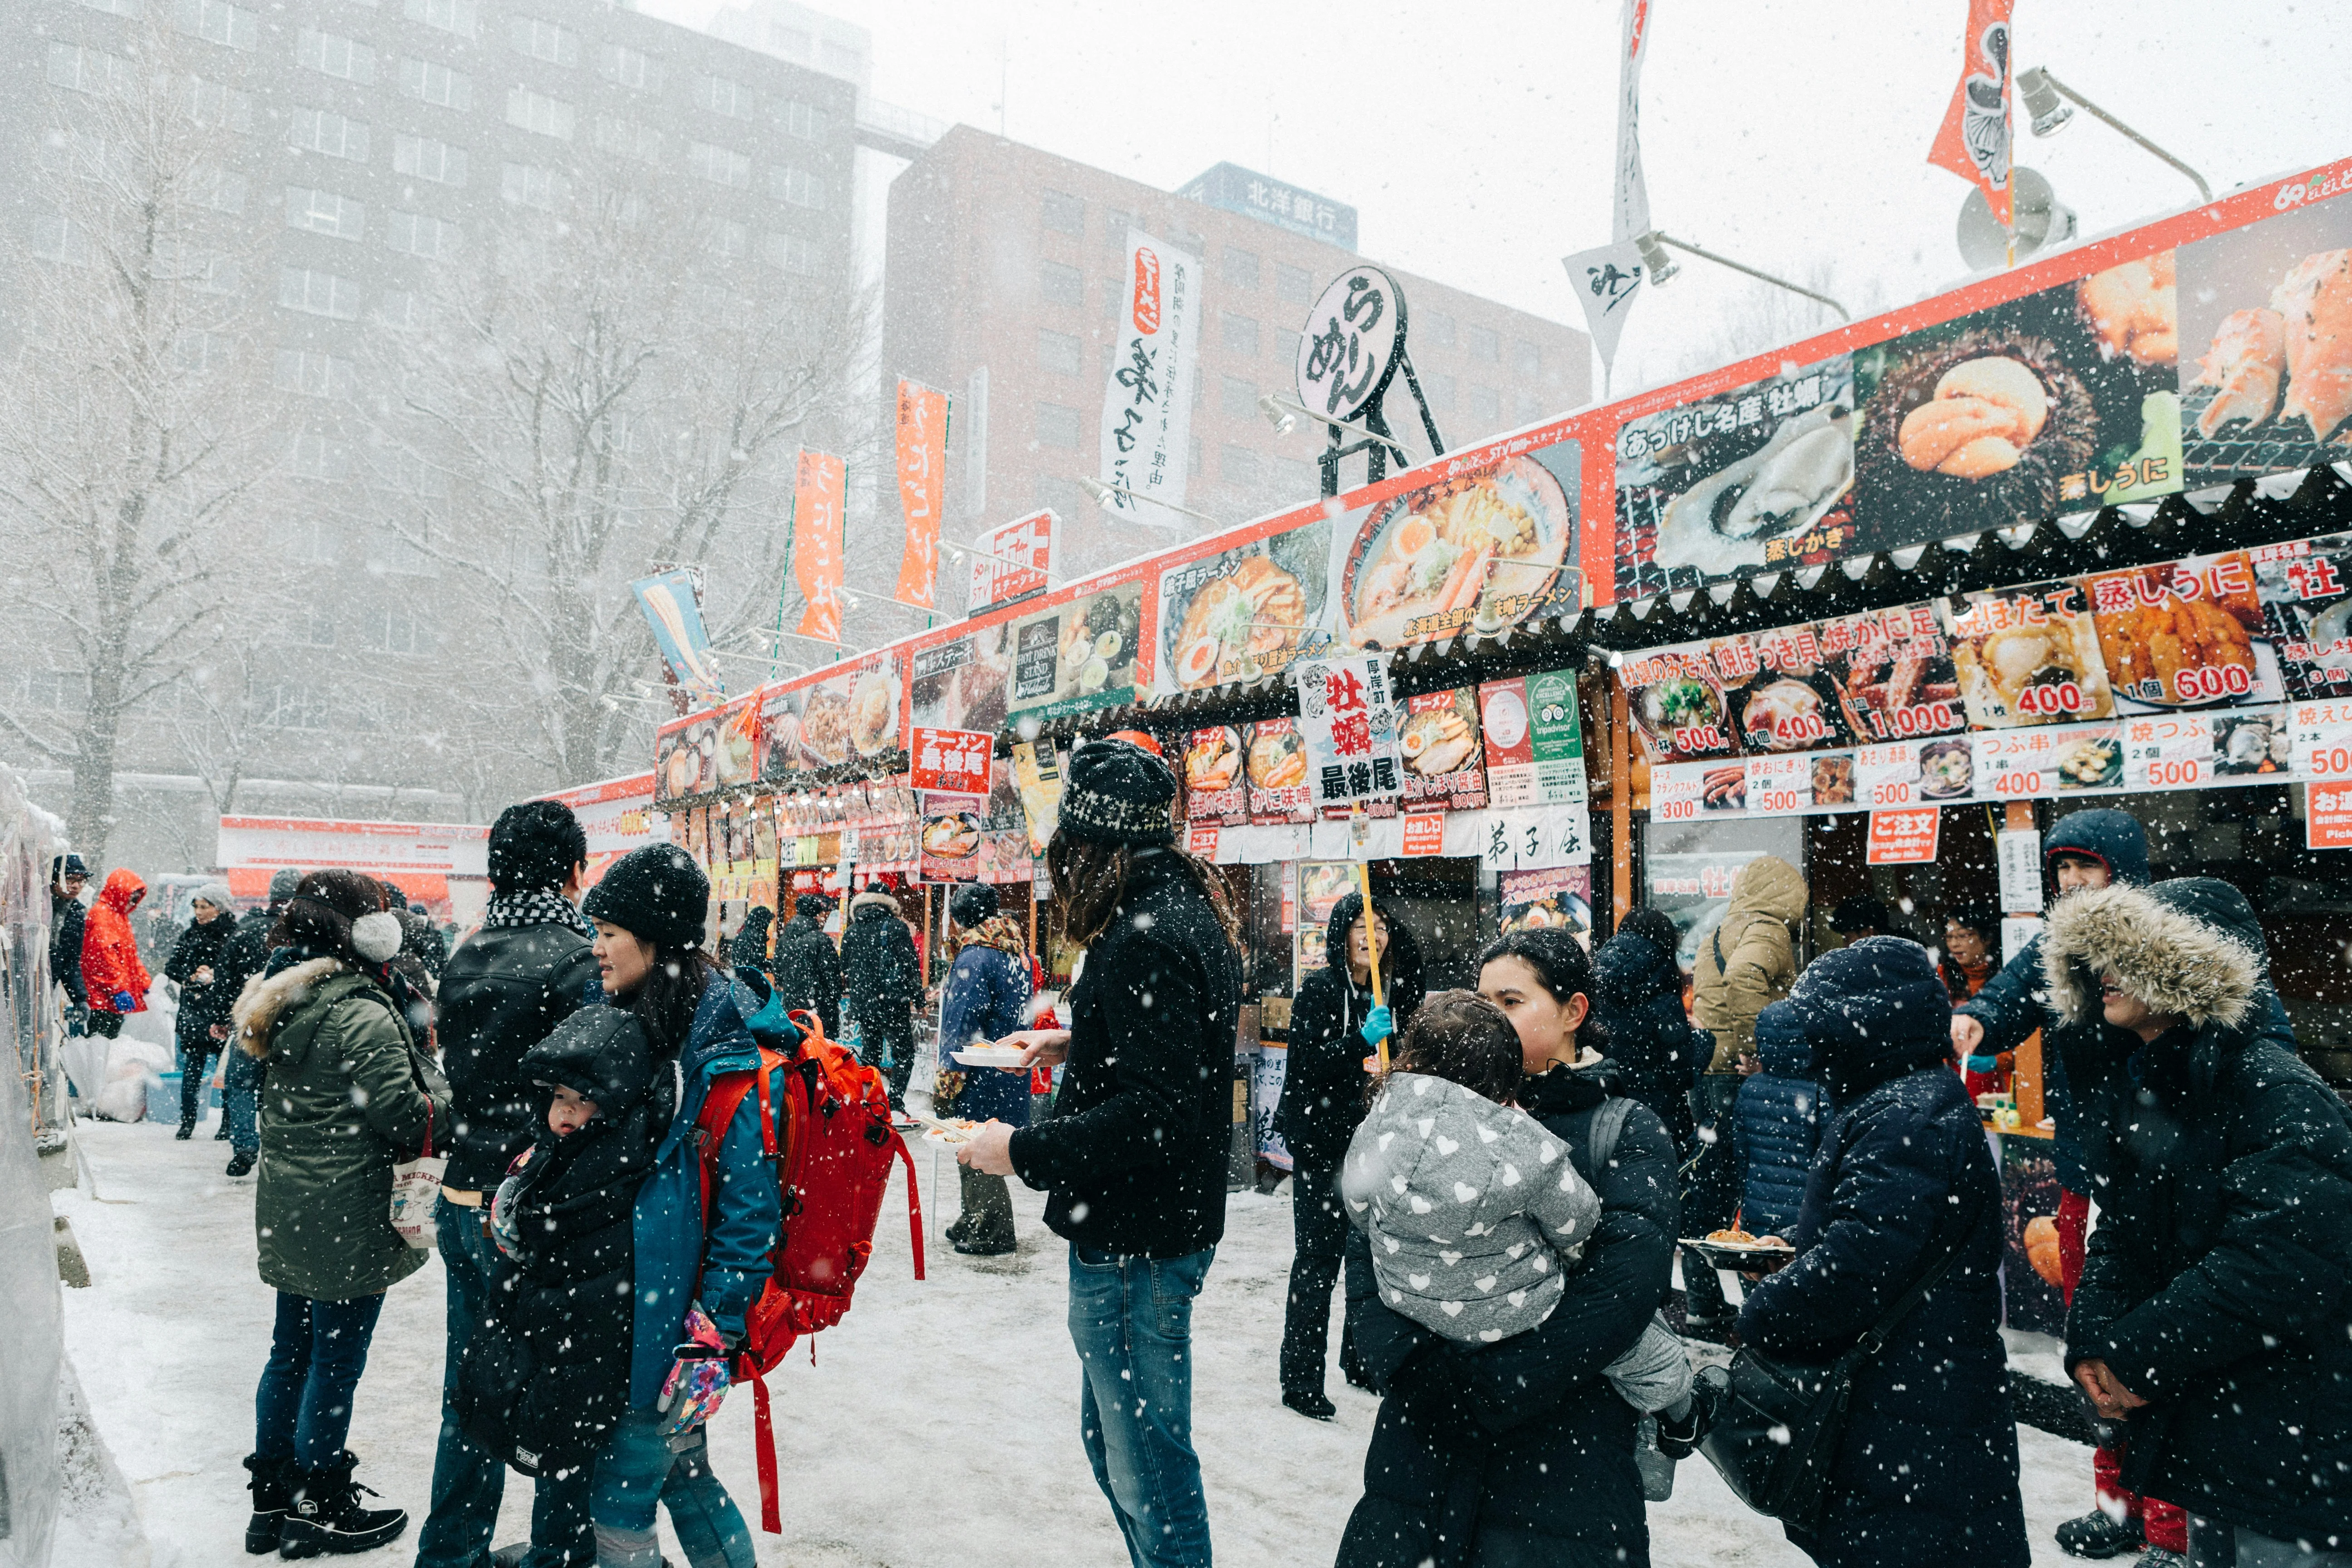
(1214,788)
(852,713)
(1276,764)
(1439,740)
(1079,654)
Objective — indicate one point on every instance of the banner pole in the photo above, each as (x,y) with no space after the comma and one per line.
(1373,948)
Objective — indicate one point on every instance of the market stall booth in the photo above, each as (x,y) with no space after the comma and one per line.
(442,867)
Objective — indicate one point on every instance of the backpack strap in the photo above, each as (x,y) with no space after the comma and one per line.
(1608,1125)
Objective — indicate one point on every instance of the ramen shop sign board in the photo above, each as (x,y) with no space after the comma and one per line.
(1347,717)
(955,761)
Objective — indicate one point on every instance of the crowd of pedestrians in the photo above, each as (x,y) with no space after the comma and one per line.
(1495,1180)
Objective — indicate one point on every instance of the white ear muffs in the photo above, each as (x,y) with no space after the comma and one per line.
(376,937)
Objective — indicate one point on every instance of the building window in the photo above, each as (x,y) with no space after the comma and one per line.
(209,102)
(543,40)
(429,160)
(88,70)
(1439,388)
(400,629)
(316,458)
(399,310)
(1057,426)
(450,15)
(1064,214)
(324,212)
(730,239)
(1293,285)
(210,186)
(296,705)
(390,553)
(528,110)
(719,165)
(805,120)
(1435,327)
(1237,465)
(312,375)
(1285,345)
(797,188)
(1241,268)
(324,131)
(318,294)
(331,54)
(215,21)
(1240,334)
(1061,285)
(629,138)
(415,234)
(528,184)
(1486,407)
(206,271)
(57,237)
(1527,358)
(1485,346)
(1116,223)
(117,7)
(795,255)
(198,352)
(1058,352)
(316,628)
(309,539)
(1237,396)
(626,66)
(428,82)
(723,95)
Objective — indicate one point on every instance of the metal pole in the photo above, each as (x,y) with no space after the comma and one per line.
(2204,191)
(1685,246)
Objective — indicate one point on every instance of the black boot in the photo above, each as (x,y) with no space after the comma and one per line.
(270,1485)
(240,1161)
(324,1514)
(2099,1533)
(187,1127)
(1311,1403)
(222,1136)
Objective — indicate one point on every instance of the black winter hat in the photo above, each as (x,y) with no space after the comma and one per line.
(1118,792)
(597,1053)
(1873,1010)
(972,903)
(65,865)
(814,906)
(656,893)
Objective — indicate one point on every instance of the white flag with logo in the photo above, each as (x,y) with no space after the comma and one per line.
(1147,424)
(1632,213)
(1606,279)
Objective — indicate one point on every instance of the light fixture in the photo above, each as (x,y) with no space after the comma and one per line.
(1652,253)
(1286,412)
(1653,257)
(1107,496)
(1281,418)
(2042,92)
(2050,111)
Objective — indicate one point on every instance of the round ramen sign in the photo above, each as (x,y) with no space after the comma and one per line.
(1353,339)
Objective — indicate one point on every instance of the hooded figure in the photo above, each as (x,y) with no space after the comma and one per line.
(1780,1114)
(883,978)
(808,969)
(1747,962)
(110,970)
(749,948)
(66,916)
(1323,1087)
(1927,1469)
(2215,1285)
(1638,999)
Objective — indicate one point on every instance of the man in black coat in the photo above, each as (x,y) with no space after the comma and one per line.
(503,991)
(246,956)
(201,1024)
(1638,1004)
(1322,1103)
(68,877)
(808,969)
(885,980)
(2211,1324)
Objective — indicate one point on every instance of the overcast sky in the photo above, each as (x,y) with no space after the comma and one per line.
(1474,136)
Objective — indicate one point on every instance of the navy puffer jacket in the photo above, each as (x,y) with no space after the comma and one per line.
(1781,1113)
(1928,1472)
(1638,999)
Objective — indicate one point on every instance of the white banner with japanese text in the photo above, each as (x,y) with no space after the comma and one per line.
(1348,718)
(1147,423)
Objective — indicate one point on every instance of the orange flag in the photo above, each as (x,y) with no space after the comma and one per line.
(817,543)
(922,478)
(1974,139)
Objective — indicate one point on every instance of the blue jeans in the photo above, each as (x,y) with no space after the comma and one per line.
(1131,1320)
(637,1468)
(469,1482)
(302,1410)
(240,1099)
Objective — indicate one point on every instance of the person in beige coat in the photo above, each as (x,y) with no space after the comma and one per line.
(1747,964)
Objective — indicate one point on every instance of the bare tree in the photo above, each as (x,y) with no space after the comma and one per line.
(615,384)
(132,409)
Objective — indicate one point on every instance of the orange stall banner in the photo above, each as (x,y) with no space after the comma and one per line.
(1974,139)
(2328,820)
(817,493)
(1903,838)
(922,487)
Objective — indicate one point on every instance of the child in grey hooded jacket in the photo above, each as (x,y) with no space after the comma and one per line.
(1473,1211)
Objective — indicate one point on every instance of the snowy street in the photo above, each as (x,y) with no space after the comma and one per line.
(938,1425)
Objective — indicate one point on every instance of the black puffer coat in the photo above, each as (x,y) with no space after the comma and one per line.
(1517,1453)
(1928,1472)
(1638,1001)
(2215,1285)
(1323,1084)
(202,1003)
(546,1375)
(66,918)
(808,969)
(878,965)
(502,992)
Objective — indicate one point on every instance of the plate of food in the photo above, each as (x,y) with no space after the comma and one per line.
(824,730)
(1725,788)
(1681,716)
(1947,769)
(1784,713)
(949,1133)
(682,768)
(1833,781)
(955,836)
(2092,762)
(1441,740)
(2030,659)
(1892,689)
(1238,625)
(1278,759)
(1432,561)
(1736,1249)
(874,713)
(2169,651)
(1214,761)
(991,1056)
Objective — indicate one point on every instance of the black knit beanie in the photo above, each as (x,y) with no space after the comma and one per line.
(656,893)
(1118,792)
(971,904)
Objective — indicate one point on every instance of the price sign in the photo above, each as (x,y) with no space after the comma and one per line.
(2169,752)
(1779,786)
(2018,852)
(2327,817)
(2323,741)
(1887,775)
(1674,790)
(1201,839)
(2016,764)
(1903,838)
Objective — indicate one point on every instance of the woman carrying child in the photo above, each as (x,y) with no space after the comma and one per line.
(695,1274)
(1520,1451)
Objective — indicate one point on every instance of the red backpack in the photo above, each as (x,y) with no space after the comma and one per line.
(837,1148)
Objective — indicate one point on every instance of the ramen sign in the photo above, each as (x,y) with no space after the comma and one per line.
(1353,339)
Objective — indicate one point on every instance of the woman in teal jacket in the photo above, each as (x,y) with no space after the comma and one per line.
(649,912)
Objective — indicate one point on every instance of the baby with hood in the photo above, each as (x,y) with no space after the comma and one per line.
(1476,1213)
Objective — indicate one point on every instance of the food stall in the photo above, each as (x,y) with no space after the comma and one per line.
(1885,603)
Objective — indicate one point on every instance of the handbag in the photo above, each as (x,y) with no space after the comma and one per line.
(1778,1426)
(417,1190)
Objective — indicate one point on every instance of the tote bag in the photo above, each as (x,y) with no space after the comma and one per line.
(417,1190)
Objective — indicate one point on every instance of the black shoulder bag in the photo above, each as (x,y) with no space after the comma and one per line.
(1775,1433)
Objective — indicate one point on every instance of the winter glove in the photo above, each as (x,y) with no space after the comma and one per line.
(1378,1024)
(1985,1065)
(698,1378)
(123,1002)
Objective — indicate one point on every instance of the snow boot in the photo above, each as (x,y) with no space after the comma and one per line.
(222,1136)
(2099,1533)
(187,1129)
(270,1485)
(2161,1557)
(324,1513)
(240,1161)
(1313,1404)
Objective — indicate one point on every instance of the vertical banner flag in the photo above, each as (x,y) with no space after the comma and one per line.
(1147,423)
(672,601)
(922,486)
(1973,141)
(817,543)
(1632,218)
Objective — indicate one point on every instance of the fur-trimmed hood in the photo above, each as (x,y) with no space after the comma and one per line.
(268,998)
(873,899)
(2191,947)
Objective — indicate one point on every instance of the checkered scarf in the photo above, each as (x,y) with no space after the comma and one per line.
(539,908)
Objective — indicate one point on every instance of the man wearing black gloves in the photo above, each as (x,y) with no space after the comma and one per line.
(1134,1154)
(503,991)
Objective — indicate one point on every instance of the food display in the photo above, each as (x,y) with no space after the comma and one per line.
(1235,625)
(874,713)
(1947,770)
(738,752)
(1081,654)
(2091,762)
(824,730)
(1833,779)
(1677,704)
(1443,762)
(1214,790)
(953,837)
(2279,365)
(1786,714)
(2247,743)
(2183,635)
(685,760)
(1473,551)
(960,684)
(1278,773)
(2133,310)
(1893,675)
(2028,655)
(1725,788)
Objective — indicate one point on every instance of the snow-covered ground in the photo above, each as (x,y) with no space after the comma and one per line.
(938,1423)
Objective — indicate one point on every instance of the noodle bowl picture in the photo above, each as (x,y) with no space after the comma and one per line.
(1479,551)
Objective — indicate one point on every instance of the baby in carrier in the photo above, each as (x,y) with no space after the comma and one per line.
(1476,1214)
